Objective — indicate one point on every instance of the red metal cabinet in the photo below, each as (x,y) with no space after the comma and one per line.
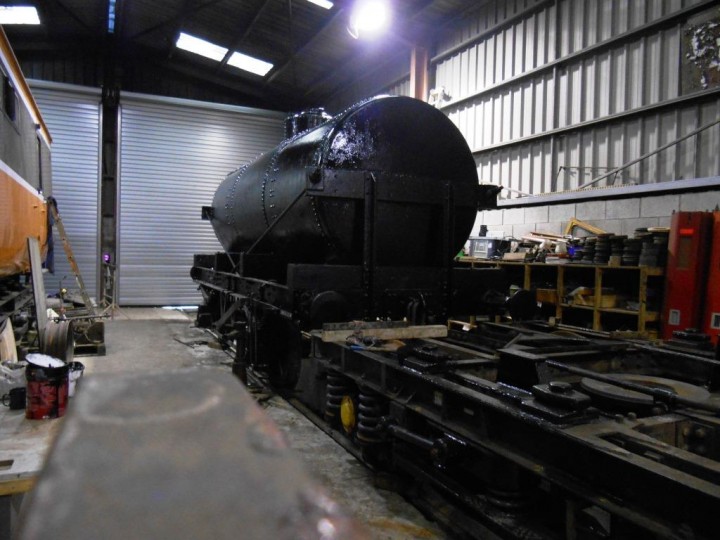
(688,252)
(711,320)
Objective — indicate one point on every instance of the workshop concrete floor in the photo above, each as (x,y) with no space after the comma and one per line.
(156,339)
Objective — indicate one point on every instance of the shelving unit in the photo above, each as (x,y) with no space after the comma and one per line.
(633,287)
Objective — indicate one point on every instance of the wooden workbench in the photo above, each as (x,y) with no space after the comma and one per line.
(23,447)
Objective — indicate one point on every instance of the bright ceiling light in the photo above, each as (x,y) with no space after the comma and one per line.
(368,18)
(322,3)
(200,46)
(19,15)
(248,63)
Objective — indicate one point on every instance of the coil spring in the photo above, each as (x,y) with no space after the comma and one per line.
(370,406)
(337,387)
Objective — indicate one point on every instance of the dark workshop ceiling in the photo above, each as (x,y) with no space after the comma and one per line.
(313,54)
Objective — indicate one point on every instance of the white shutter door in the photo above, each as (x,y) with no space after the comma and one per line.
(72,115)
(173,155)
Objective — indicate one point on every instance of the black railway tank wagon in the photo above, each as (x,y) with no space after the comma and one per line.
(511,431)
(358,218)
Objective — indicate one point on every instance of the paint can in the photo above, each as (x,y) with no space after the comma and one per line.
(47,387)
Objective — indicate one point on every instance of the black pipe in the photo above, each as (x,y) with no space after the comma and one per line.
(369,244)
(677,354)
(410,437)
(447,247)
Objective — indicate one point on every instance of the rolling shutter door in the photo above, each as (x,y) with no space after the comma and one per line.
(173,155)
(72,115)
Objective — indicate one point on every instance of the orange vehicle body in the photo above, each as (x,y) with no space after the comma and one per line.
(23,214)
(25,178)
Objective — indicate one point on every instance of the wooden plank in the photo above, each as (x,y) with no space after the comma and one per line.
(597,324)
(518,257)
(37,283)
(560,292)
(527,278)
(13,487)
(642,300)
(461,325)
(407,332)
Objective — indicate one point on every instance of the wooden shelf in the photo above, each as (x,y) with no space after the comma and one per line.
(651,270)
(578,306)
(634,278)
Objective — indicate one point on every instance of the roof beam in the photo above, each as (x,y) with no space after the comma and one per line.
(343,76)
(120,19)
(198,74)
(53,47)
(305,46)
(177,18)
(69,12)
(241,39)
(186,10)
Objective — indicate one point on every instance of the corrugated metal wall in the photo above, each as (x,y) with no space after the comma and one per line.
(552,94)
(173,155)
(72,115)
(400,88)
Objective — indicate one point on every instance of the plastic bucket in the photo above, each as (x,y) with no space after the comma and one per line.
(47,387)
(76,371)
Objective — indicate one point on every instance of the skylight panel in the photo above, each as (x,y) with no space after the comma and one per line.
(248,63)
(111,16)
(200,46)
(19,15)
(215,52)
(322,3)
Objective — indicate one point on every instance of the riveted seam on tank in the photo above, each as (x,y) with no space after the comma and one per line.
(318,222)
(230,199)
(320,152)
(269,176)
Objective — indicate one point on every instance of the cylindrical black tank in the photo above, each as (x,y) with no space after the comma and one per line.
(398,138)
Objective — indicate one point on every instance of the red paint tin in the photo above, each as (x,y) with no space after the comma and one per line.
(47,387)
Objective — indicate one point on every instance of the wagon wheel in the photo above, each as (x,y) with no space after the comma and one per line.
(58,340)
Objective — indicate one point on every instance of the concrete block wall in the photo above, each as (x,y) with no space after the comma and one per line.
(618,216)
